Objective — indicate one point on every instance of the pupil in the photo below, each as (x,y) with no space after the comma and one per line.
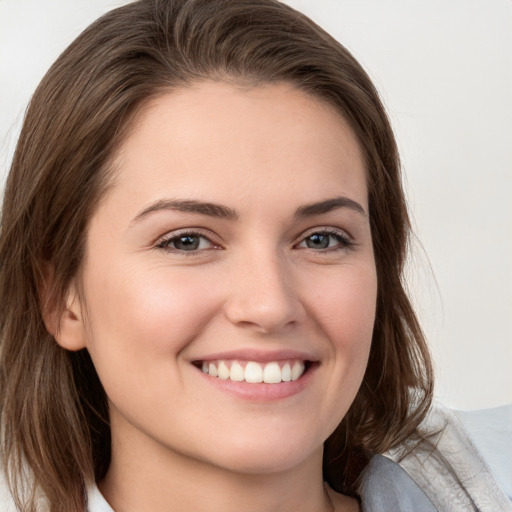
(318,241)
(187,243)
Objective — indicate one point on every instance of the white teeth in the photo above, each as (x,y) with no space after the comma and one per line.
(297,370)
(212,370)
(253,372)
(237,372)
(286,373)
(270,373)
(223,371)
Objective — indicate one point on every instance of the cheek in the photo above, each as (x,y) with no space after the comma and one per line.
(345,312)
(345,306)
(147,310)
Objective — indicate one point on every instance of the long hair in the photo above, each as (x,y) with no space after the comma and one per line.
(54,414)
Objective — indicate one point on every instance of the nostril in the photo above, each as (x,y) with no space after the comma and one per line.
(263,318)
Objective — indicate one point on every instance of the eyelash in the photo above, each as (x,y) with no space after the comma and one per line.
(166,242)
(342,239)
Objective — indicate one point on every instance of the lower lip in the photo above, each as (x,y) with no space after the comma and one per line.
(262,392)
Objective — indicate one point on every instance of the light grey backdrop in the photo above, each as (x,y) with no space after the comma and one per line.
(444,69)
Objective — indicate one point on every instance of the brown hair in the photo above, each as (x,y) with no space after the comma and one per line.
(54,413)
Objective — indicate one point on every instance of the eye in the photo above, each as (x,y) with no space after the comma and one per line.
(325,240)
(186,242)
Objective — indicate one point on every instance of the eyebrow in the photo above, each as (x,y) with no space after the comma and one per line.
(189,206)
(224,212)
(328,205)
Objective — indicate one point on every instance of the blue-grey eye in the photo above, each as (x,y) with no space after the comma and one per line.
(322,240)
(186,242)
(318,241)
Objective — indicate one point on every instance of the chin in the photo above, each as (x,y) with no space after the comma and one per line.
(266,455)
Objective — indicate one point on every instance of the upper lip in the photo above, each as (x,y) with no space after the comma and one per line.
(259,356)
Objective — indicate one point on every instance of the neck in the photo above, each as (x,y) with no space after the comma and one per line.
(138,480)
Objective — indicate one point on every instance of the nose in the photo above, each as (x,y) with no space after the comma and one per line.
(263,295)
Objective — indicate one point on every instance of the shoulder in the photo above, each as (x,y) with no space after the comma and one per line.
(6,499)
(95,500)
(7,502)
(387,486)
(455,467)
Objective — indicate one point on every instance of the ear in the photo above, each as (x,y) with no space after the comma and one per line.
(70,333)
(66,323)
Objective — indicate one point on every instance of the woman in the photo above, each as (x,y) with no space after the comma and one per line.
(203,237)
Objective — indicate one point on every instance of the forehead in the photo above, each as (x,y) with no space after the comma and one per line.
(250,140)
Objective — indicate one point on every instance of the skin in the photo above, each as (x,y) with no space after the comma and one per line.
(149,308)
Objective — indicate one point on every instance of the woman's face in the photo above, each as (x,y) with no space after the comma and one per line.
(235,240)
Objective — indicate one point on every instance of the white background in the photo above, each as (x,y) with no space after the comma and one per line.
(444,69)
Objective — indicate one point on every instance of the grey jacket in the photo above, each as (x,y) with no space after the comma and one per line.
(463,467)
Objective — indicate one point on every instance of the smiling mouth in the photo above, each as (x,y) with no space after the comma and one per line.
(272,372)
